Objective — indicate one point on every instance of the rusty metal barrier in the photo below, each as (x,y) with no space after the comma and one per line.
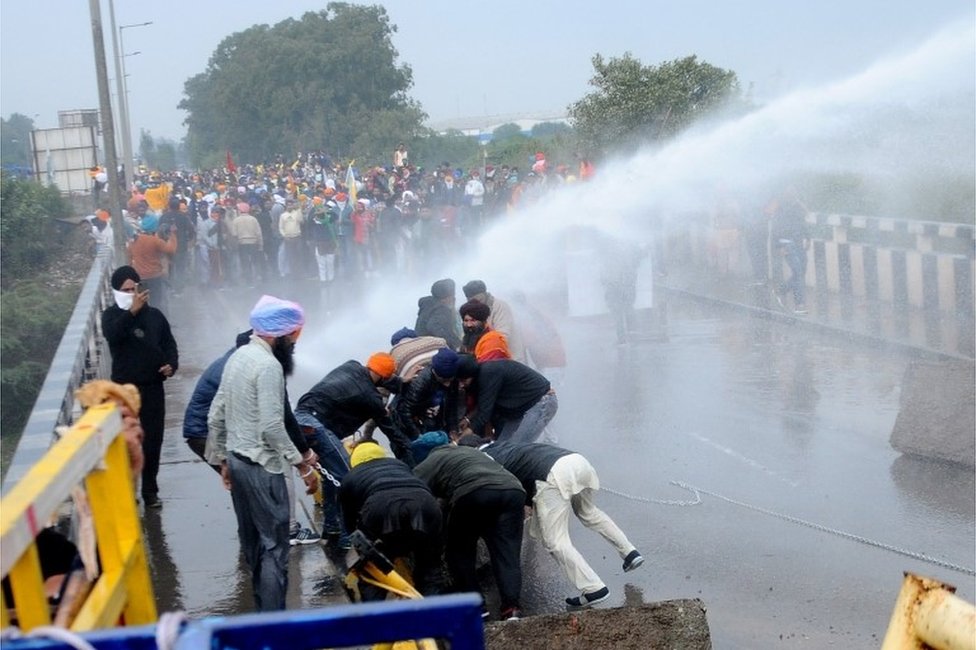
(927,614)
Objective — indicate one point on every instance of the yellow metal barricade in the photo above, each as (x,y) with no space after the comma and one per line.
(94,452)
(927,614)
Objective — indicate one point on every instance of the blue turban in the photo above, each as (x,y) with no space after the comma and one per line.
(421,447)
(276,317)
(150,223)
(402,333)
(445,363)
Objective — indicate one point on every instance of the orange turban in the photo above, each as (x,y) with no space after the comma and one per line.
(492,345)
(382,364)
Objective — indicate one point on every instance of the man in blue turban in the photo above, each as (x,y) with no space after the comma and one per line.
(248,439)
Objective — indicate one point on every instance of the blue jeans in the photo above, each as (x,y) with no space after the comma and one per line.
(334,459)
(530,426)
(796,259)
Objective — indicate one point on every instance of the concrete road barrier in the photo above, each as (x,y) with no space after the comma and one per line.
(936,416)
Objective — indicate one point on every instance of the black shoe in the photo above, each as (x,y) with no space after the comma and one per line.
(585,601)
(633,560)
(152,501)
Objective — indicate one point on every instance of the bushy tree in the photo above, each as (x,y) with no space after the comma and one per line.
(32,320)
(15,141)
(329,80)
(550,129)
(27,226)
(510,131)
(634,104)
(157,154)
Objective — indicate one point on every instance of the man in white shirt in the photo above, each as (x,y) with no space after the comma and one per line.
(474,199)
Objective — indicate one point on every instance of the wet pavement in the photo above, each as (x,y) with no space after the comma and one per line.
(783,426)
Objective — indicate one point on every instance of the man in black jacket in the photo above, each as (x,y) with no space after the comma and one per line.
(514,399)
(556,482)
(334,409)
(381,497)
(435,316)
(144,353)
(483,501)
(429,401)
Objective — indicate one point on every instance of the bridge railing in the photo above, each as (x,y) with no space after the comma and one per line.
(918,264)
(93,452)
(82,355)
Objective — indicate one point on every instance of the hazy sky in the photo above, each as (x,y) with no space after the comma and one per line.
(468,58)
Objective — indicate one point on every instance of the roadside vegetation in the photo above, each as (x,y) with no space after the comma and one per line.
(36,294)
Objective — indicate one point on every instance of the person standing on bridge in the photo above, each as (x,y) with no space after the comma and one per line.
(248,437)
(788,232)
(144,353)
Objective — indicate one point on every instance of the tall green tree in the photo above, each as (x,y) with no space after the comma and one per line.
(15,140)
(327,80)
(158,153)
(634,104)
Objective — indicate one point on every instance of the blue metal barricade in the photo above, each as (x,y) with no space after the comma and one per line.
(455,618)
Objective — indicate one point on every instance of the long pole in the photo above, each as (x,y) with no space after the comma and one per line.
(108,130)
(124,101)
(119,92)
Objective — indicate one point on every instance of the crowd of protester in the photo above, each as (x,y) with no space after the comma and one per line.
(311,218)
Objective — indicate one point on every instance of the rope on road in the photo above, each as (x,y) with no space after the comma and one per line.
(660,502)
(921,557)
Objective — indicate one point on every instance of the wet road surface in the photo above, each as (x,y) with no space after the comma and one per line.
(784,424)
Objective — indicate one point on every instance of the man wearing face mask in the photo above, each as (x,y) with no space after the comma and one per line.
(144,353)
(248,438)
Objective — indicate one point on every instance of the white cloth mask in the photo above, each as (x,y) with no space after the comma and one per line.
(123,299)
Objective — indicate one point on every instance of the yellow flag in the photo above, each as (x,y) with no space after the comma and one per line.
(351,183)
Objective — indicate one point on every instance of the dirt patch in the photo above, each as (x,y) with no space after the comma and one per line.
(667,624)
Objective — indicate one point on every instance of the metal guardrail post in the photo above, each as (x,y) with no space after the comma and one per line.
(928,615)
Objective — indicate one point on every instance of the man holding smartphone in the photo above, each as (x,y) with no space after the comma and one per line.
(144,353)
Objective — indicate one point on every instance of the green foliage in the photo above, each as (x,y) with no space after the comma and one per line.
(15,140)
(328,80)
(26,226)
(550,130)
(32,320)
(510,131)
(635,104)
(157,154)
(454,147)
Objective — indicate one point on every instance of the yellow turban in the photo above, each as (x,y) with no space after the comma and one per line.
(365,452)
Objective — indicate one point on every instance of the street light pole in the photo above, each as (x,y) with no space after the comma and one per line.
(123,91)
(108,128)
(113,173)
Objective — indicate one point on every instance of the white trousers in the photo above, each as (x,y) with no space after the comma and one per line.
(572,484)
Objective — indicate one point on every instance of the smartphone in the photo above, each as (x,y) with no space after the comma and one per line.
(138,287)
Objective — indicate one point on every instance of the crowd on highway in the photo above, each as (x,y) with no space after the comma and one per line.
(461,396)
(464,414)
(312,218)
